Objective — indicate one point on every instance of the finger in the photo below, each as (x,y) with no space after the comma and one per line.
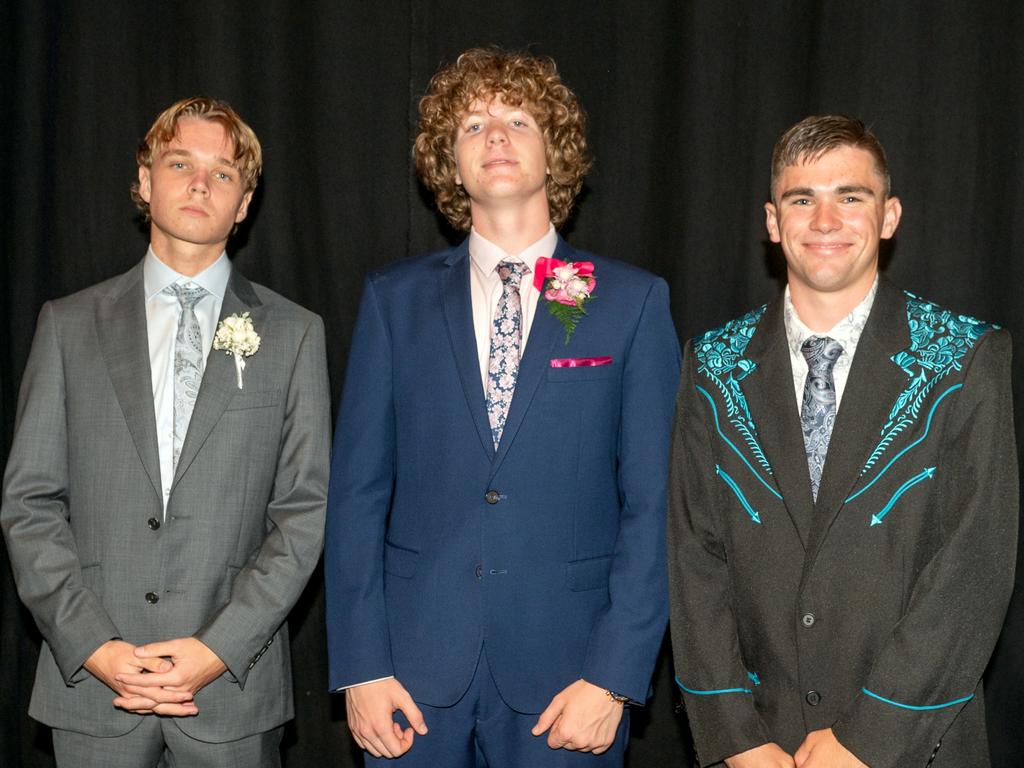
(157,664)
(546,719)
(412,714)
(134,703)
(170,679)
(801,755)
(177,710)
(151,650)
(557,739)
(159,695)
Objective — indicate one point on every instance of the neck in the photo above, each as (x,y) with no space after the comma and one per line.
(186,259)
(514,228)
(820,311)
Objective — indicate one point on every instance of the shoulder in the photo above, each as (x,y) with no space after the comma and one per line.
(616,275)
(84,301)
(414,269)
(941,338)
(721,349)
(282,306)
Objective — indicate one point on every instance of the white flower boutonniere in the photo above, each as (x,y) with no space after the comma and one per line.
(236,336)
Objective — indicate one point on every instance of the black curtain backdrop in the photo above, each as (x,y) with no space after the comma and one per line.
(684,100)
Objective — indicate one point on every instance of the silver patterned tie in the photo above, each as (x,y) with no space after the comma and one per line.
(188,360)
(506,338)
(818,409)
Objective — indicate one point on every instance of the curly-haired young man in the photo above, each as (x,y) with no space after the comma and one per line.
(495,567)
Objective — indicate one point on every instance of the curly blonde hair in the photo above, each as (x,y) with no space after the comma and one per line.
(248,153)
(521,80)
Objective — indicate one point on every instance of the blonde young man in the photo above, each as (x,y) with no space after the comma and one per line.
(164,497)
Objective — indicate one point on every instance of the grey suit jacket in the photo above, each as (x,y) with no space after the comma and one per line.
(93,557)
(874,610)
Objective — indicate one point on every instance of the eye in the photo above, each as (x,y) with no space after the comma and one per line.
(473,128)
(518,123)
(802,201)
(177,165)
(851,199)
(223,176)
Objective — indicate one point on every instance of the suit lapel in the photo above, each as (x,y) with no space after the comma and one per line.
(458,312)
(544,332)
(874,383)
(124,344)
(772,402)
(220,382)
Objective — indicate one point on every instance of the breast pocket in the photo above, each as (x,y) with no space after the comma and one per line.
(584,373)
(245,399)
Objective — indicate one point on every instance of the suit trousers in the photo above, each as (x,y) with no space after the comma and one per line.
(482,731)
(158,742)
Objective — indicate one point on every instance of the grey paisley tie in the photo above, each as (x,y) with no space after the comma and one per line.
(188,360)
(818,409)
(506,338)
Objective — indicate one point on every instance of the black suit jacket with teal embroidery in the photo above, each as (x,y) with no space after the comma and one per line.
(874,610)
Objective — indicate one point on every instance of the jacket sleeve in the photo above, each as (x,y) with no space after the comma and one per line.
(935,657)
(362,481)
(35,519)
(710,669)
(625,640)
(265,590)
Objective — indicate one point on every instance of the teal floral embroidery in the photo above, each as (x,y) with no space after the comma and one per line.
(939,340)
(720,354)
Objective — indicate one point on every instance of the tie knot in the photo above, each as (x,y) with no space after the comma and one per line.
(511,272)
(821,353)
(187,295)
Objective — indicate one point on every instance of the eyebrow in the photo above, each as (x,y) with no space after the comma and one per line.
(846,189)
(186,153)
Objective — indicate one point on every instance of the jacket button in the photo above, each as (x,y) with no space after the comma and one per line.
(152,597)
(492,497)
(813,698)
(479,571)
(808,619)
(153,523)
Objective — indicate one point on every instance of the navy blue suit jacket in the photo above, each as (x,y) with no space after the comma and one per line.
(561,571)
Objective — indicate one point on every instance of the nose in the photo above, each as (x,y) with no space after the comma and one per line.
(496,134)
(199,183)
(825,218)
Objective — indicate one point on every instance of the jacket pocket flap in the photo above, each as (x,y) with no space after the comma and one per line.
(591,573)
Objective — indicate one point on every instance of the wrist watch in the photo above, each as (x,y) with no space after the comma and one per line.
(618,698)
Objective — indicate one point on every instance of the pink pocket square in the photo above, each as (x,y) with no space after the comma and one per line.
(579,362)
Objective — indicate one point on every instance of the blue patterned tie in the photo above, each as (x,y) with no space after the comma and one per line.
(188,360)
(506,338)
(818,409)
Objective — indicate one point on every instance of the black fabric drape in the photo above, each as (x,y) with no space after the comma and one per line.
(684,99)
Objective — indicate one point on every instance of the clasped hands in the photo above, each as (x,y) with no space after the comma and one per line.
(581,717)
(820,749)
(158,678)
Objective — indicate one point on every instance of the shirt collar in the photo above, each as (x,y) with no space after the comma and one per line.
(156,275)
(847,331)
(486,255)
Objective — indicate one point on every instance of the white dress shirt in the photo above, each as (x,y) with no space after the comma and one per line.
(162,313)
(847,332)
(485,288)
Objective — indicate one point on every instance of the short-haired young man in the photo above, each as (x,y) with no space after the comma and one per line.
(495,558)
(843,501)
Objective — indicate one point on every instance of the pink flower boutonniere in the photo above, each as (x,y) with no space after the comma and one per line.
(569,287)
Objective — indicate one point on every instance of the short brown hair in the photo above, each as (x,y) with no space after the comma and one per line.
(813,136)
(248,153)
(520,80)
